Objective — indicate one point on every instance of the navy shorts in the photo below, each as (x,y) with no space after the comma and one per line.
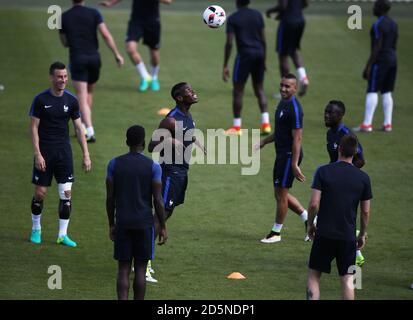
(173,189)
(325,250)
(283,176)
(382,78)
(135,244)
(289,36)
(150,31)
(59,163)
(247,64)
(85,68)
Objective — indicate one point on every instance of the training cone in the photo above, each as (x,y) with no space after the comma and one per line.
(236,276)
(163,111)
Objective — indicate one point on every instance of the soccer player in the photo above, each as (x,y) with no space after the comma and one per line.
(180,126)
(287,137)
(381,68)
(50,113)
(80,25)
(247,25)
(132,181)
(333,116)
(289,33)
(337,190)
(144,22)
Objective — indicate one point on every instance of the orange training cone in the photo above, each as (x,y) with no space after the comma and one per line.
(163,111)
(236,276)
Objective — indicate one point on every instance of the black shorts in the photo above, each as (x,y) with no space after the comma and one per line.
(150,31)
(85,68)
(325,250)
(283,176)
(135,244)
(382,78)
(289,36)
(247,64)
(59,163)
(173,189)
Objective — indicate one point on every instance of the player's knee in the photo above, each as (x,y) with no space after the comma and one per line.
(130,48)
(37,206)
(40,194)
(65,190)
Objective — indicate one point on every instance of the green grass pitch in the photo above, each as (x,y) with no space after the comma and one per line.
(217,230)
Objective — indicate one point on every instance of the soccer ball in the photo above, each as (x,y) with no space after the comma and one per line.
(214,16)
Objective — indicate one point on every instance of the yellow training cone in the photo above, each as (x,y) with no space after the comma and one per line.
(236,276)
(163,111)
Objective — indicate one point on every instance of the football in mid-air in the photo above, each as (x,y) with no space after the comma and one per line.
(214,16)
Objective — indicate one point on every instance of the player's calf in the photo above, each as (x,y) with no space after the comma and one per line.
(65,208)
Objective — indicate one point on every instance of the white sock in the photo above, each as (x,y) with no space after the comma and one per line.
(237,122)
(358,253)
(90,132)
(142,70)
(63,224)
(372,99)
(315,220)
(36,221)
(387,107)
(277,227)
(304,215)
(302,75)
(265,117)
(154,72)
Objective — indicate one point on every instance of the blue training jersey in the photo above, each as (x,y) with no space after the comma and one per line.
(184,132)
(54,114)
(132,175)
(247,24)
(80,24)
(288,116)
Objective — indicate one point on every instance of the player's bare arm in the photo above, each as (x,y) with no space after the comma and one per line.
(159,211)
(364,220)
(109,3)
(227,54)
(39,161)
(168,124)
(107,36)
(296,149)
(87,164)
(372,59)
(110,207)
(268,139)
(165,1)
(312,212)
(199,145)
(358,160)
(63,40)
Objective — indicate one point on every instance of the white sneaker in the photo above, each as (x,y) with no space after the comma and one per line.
(271,238)
(307,238)
(149,278)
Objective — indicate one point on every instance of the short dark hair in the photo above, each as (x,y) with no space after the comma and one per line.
(243,2)
(77,1)
(135,136)
(348,145)
(289,76)
(383,6)
(339,104)
(176,89)
(56,66)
